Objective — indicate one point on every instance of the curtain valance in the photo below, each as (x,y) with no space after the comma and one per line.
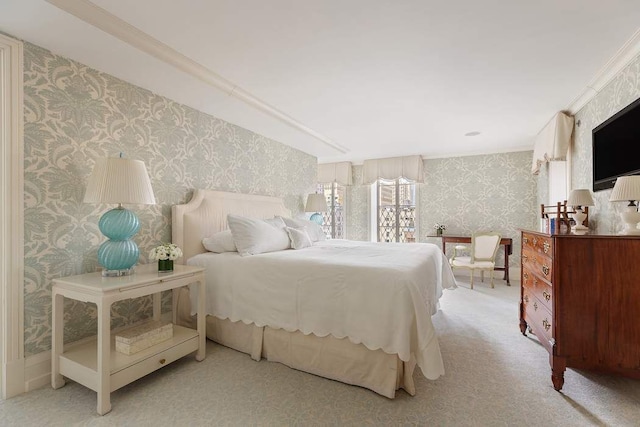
(409,167)
(553,141)
(335,172)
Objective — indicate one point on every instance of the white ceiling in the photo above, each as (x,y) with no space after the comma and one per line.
(380,78)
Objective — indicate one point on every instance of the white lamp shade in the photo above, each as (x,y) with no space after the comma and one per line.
(626,188)
(119,180)
(316,203)
(580,197)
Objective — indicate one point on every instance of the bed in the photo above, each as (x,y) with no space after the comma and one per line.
(356,312)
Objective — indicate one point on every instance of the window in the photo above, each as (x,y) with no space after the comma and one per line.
(333,219)
(396,210)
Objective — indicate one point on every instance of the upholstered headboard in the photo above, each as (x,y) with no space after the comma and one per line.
(206,213)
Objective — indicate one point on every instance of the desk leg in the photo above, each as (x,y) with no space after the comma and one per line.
(57,340)
(104,357)
(506,264)
(202,317)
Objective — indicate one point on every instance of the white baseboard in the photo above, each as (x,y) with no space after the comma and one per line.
(37,372)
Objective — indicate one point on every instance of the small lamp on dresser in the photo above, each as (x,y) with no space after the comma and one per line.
(580,199)
(627,188)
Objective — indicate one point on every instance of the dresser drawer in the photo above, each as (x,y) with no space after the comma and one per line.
(537,243)
(538,263)
(538,318)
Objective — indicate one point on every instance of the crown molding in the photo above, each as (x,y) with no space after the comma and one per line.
(122,30)
(623,57)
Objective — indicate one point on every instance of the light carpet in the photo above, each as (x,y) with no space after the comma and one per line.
(494,376)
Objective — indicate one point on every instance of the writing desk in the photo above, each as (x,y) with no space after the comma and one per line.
(507,242)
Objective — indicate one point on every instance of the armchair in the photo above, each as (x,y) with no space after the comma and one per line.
(484,247)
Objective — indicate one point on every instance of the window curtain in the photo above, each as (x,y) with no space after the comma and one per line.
(553,141)
(335,172)
(409,167)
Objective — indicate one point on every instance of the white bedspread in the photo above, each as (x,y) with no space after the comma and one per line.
(379,294)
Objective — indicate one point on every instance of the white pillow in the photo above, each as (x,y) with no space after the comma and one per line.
(315,231)
(220,242)
(255,236)
(299,238)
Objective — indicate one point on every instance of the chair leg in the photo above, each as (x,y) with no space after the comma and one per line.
(482,276)
(491,278)
(472,278)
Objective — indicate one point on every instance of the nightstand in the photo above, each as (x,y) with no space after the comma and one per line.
(95,363)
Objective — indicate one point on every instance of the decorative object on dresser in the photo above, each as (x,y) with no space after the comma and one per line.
(316,203)
(580,200)
(581,299)
(627,188)
(439,228)
(555,218)
(119,180)
(484,247)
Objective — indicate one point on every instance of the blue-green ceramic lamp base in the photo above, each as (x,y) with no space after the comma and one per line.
(118,254)
(317,218)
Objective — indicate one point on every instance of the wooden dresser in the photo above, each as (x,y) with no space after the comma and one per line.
(580,296)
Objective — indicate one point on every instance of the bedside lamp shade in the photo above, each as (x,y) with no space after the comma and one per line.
(119,180)
(578,199)
(316,202)
(627,188)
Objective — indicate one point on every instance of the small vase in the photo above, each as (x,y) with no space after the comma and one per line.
(165,265)
(438,232)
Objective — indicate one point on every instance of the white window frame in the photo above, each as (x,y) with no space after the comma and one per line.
(331,216)
(375,206)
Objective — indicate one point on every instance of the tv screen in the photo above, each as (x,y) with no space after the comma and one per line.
(616,147)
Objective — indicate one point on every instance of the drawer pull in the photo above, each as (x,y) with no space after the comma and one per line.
(545,269)
(535,241)
(162,361)
(525,239)
(546,324)
(546,295)
(545,247)
(535,306)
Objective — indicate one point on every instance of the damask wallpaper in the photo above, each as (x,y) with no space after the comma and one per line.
(486,192)
(74,115)
(623,89)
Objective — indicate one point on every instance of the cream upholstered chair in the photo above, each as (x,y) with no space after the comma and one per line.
(484,247)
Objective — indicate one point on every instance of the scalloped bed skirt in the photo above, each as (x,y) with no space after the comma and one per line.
(328,357)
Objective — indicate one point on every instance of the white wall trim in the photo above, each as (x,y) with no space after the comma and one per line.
(623,57)
(11,217)
(111,24)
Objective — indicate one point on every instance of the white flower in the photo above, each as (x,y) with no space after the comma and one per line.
(165,251)
(439,226)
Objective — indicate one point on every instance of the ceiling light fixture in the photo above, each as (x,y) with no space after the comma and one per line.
(474,133)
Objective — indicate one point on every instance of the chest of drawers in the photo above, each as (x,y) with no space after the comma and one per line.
(580,296)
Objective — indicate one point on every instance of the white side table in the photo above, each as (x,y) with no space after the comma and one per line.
(95,363)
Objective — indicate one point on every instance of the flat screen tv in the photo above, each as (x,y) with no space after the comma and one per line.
(616,147)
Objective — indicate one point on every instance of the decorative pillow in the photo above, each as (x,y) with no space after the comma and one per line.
(315,231)
(220,242)
(255,236)
(299,238)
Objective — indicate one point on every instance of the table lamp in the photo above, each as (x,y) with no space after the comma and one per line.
(316,203)
(627,188)
(119,180)
(579,199)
